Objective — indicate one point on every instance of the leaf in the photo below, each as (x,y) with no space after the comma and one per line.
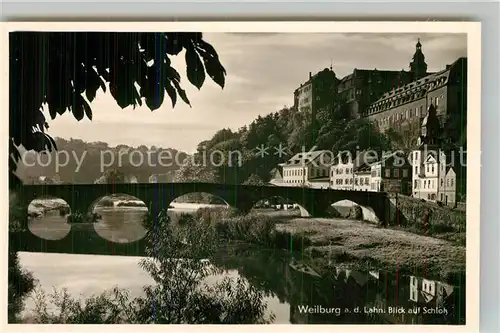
(195,69)
(88,110)
(171,93)
(181,93)
(214,68)
(93,84)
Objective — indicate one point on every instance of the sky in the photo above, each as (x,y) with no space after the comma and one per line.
(263,70)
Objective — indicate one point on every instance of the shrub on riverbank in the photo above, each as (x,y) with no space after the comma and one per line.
(427,218)
(130,204)
(252,228)
(180,294)
(20,281)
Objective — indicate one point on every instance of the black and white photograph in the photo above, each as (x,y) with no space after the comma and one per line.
(237,176)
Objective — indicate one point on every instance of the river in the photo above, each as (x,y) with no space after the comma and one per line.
(292,294)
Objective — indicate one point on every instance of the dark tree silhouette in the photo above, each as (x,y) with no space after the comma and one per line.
(57,68)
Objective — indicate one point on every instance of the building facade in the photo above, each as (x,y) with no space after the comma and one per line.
(302,168)
(318,91)
(393,173)
(362,178)
(445,90)
(342,175)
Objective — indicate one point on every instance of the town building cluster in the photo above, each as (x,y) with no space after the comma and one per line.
(425,172)
(389,99)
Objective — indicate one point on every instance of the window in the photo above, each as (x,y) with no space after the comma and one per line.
(432,168)
(405,173)
(452,182)
(428,196)
(350,181)
(341,181)
(356,181)
(388,173)
(367,180)
(447,182)
(374,173)
(415,185)
(361,181)
(433,196)
(442,182)
(425,183)
(416,169)
(378,172)
(347,171)
(396,173)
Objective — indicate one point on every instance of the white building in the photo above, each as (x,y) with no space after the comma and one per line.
(362,178)
(432,179)
(342,175)
(448,195)
(304,167)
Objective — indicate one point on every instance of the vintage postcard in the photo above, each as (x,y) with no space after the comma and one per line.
(243,173)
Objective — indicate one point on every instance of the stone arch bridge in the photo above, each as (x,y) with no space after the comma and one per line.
(243,197)
(158,196)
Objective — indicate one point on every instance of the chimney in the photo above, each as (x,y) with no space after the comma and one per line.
(310,75)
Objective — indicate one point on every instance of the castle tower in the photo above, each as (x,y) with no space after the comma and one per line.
(418,66)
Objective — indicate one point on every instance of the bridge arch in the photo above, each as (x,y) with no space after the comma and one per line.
(120,218)
(345,208)
(281,203)
(46,217)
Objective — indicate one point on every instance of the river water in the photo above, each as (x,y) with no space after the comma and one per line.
(294,294)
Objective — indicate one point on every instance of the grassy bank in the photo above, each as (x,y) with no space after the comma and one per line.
(328,242)
(428,218)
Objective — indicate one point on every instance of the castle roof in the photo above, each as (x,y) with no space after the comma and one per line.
(415,89)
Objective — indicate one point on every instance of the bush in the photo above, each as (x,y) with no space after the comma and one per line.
(180,294)
(20,281)
(251,228)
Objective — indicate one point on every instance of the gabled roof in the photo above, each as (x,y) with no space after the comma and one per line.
(450,171)
(304,158)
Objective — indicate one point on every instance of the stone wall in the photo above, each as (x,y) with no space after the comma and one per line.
(426,217)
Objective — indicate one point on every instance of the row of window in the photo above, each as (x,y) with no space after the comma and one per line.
(340,181)
(294,181)
(294,172)
(340,171)
(389,104)
(300,172)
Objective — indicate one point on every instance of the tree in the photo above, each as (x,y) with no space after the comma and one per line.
(254,180)
(176,261)
(403,135)
(20,281)
(60,68)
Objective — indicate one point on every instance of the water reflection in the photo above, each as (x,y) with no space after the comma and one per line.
(343,297)
(50,226)
(347,296)
(121,224)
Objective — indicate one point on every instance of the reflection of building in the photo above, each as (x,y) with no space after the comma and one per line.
(304,167)
(423,291)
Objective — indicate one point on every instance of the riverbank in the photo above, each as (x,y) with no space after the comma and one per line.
(327,243)
(357,244)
